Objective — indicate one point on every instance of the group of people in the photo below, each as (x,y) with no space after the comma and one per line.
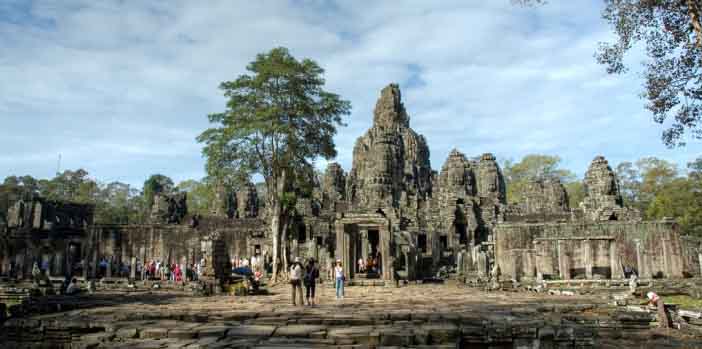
(371,264)
(307,275)
(170,272)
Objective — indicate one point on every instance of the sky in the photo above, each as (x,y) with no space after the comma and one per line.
(123,88)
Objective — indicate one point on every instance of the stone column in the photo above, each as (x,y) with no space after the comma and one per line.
(587,253)
(563,265)
(666,264)
(365,243)
(132,268)
(58,264)
(639,259)
(615,267)
(386,262)
(108,271)
(699,261)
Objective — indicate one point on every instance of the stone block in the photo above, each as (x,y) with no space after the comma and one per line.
(154,333)
(251,331)
(298,330)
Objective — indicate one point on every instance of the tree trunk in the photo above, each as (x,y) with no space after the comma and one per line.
(275,232)
(284,242)
(277,213)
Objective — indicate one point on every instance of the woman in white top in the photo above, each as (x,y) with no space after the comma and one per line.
(339,277)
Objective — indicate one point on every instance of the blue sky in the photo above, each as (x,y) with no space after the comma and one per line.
(122,88)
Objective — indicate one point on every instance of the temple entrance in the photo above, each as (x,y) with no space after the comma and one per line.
(362,244)
(373,242)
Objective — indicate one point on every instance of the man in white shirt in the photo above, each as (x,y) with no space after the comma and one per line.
(296,280)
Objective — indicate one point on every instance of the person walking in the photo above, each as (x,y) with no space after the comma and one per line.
(340,278)
(311,275)
(296,280)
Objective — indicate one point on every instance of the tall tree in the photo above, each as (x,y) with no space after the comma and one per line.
(671,32)
(278,119)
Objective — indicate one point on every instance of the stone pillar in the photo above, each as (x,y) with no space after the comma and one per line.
(666,263)
(563,263)
(60,262)
(132,268)
(639,258)
(108,270)
(587,254)
(365,244)
(699,261)
(615,266)
(386,259)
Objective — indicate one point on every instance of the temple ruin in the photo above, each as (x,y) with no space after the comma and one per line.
(390,205)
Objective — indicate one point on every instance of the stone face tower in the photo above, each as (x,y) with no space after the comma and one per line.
(603,200)
(391,166)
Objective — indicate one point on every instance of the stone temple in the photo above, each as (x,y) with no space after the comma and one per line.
(456,266)
(390,205)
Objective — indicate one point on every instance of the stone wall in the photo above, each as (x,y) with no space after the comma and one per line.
(589,249)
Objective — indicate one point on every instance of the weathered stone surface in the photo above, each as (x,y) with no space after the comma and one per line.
(169,208)
(603,200)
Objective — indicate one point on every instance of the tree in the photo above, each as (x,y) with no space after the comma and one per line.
(671,32)
(532,167)
(200,195)
(278,119)
(156,184)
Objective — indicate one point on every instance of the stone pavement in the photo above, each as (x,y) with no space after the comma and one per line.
(411,316)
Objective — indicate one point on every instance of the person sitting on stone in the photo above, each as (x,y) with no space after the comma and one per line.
(73,287)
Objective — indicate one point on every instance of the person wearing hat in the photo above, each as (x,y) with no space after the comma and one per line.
(296,280)
(340,278)
(311,275)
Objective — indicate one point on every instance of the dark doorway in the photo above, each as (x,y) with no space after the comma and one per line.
(301,233)
(374,241)
(443,240)
(422,242)
(257,250)
(462,234)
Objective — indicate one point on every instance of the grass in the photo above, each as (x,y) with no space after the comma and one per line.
(684,302)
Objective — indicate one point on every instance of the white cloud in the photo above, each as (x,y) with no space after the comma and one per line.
(123,88)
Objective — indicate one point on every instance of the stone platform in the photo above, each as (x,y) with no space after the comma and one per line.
(418,316)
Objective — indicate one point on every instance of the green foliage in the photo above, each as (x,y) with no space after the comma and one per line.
(576,193)
(201,195)
(278,119)
(156,184)
(532,167)
(114,203)
(641,181)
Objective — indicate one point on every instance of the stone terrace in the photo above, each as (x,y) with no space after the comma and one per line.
(411,316)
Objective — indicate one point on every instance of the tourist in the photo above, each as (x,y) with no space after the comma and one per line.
(178,273)
(36,272)
(311,276)
(361,265)
(296,280)
(340,278)
(655,300)
(73,287)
